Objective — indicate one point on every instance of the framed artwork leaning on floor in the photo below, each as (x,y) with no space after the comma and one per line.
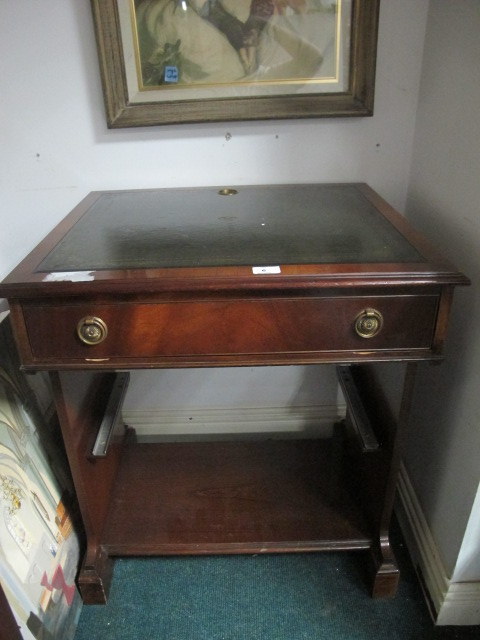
(39,548)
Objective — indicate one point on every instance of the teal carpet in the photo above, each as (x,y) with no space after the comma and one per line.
(262,597)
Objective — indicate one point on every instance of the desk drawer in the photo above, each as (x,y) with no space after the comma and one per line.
(228,327)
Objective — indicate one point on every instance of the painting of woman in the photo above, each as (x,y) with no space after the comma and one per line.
(229,41)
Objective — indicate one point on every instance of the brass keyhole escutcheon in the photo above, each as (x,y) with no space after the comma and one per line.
(368,323)
(92,330)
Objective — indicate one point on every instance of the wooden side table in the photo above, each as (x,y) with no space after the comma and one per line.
(266,275)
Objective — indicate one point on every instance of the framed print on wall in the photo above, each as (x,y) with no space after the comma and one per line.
(173,61)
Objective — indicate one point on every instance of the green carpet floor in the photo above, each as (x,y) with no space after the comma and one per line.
(262,597)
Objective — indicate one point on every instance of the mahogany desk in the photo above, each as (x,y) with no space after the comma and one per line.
(267,275)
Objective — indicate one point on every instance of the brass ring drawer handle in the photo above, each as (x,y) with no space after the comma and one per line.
(368,323)
(92,330)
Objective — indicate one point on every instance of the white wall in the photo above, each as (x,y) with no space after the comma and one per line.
(55,148)
(443,460)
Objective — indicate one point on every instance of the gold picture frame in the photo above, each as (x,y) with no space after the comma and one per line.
(186,61)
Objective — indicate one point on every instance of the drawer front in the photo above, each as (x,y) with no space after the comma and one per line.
(229,327)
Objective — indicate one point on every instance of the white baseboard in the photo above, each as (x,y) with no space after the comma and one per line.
(299,422)
(451,603)
(461,605)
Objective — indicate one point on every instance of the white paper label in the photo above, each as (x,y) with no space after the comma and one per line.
(265,270)
(69,276)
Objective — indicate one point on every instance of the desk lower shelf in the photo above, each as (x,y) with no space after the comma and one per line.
(231,497)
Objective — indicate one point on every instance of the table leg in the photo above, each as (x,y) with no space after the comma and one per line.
(81,399)
(375,471)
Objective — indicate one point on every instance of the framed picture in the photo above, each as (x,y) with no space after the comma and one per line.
(173,61)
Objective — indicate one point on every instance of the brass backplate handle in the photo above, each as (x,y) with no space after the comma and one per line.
(92,330)
(368,323)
